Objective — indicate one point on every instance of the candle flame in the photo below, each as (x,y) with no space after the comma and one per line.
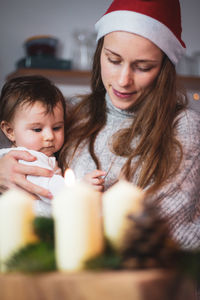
(69,177)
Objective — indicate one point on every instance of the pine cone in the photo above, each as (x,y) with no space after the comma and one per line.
(147,243)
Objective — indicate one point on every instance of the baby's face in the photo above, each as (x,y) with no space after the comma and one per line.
(38,130)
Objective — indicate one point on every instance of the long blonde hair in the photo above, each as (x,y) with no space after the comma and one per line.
(154,124)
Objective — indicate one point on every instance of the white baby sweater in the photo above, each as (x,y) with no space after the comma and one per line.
(53,184)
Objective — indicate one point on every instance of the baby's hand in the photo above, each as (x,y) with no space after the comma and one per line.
(57,170)
(95,179)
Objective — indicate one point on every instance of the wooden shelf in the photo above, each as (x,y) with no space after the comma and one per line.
(76,77)
(190,82)
(70,77)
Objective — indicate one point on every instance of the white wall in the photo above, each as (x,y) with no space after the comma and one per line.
(191,24)
(24,18)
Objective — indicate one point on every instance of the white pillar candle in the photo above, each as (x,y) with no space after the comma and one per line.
(78,226)
(16,217)
(119,201)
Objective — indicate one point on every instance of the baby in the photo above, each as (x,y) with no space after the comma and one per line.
(32,116)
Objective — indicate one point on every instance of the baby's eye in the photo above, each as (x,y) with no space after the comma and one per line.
(37,129)
(57,128)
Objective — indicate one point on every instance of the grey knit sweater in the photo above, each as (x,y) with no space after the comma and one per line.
(179,200)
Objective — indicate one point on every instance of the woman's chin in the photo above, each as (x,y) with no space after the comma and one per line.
(122,104)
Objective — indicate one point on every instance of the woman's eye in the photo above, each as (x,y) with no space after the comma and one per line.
(115,62)
(143,69)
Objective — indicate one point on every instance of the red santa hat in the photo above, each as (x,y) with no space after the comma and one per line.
(157,20)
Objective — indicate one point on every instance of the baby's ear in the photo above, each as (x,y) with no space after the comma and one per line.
(7,129)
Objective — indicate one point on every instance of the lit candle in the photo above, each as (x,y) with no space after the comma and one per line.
(119,201)
(16,217)
(78,224)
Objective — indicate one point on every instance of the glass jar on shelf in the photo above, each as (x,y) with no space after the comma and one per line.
(83,50)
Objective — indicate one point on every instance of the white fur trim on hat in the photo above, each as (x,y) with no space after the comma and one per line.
(155,31)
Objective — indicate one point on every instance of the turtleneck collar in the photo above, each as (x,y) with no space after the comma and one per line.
(113,110)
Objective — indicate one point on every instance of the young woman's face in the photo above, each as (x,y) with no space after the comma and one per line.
(129,64)
(35,129)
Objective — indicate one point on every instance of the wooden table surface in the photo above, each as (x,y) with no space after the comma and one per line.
(118,285)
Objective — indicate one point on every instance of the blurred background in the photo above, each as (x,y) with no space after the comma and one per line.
(72,24)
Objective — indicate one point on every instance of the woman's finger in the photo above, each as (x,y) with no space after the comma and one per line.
(20,154)
(30,187)
(32,170)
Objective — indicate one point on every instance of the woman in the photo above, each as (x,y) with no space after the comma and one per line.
(135,124)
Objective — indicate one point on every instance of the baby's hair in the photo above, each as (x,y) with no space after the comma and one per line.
(27,90)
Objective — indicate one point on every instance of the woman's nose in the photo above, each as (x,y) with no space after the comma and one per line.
(125,77)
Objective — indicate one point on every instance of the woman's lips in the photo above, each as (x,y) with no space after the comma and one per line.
(122,94)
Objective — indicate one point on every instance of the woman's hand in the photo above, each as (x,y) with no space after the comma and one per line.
(13,174)
(96,179)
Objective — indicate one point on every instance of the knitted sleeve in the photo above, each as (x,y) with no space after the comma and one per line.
(179,200)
